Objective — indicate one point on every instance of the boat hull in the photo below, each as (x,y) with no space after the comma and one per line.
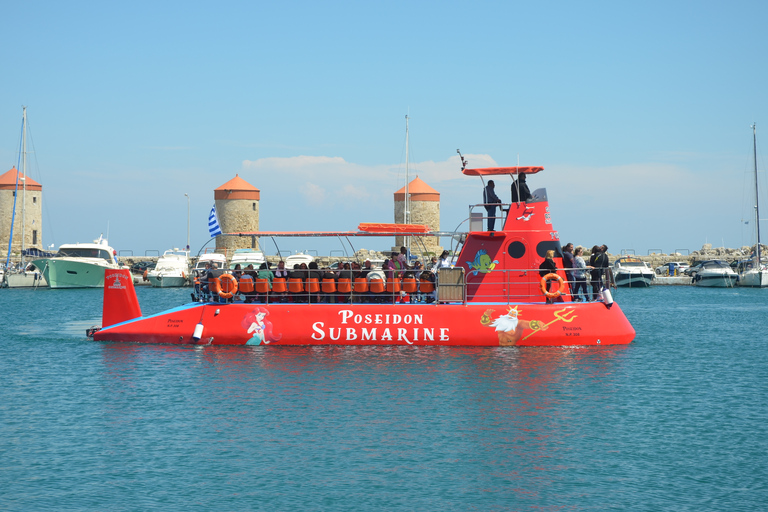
(24,280)
(70,273)
(633,280)
(754,279)
(716,280)
(563,324)
(166,281)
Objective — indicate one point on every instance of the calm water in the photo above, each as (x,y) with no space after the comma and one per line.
(675,421)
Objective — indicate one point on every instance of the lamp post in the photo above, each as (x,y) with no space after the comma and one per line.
(187,196)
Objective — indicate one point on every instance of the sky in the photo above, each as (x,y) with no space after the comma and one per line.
(640,114)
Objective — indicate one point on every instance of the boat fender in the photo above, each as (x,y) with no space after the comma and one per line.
(607,297)
(183,275)
(198,332)
(145,275)
(231,288)
(546,292)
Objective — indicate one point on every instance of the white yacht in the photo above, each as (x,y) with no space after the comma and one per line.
(78,265)
(632,272)
(172,270)
(716,273)
(210,257)
(245,257)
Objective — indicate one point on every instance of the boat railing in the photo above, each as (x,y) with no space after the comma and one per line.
(449,285)
(478,215)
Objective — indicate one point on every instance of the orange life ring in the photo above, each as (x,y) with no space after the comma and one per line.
(226,291)
(546,292)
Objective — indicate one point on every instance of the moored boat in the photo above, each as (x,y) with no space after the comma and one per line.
(172,270)
(632,272)
(715,273)
(79,265)
(755,274)
(493,296)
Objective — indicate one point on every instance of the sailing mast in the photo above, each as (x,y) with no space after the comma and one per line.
(406,203)
(757,198)
(24,182)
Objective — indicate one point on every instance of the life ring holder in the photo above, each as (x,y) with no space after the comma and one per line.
(233,286)
(543,285)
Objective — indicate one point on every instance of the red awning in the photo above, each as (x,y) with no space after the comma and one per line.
(496,171)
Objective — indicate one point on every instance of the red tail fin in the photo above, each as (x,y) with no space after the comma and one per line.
(120,302)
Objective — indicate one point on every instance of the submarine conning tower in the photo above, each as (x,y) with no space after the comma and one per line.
(505,263)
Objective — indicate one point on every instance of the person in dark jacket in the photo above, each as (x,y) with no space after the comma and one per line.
(491,200)
(548,267)
(524,193)
(598,260)
(568,264)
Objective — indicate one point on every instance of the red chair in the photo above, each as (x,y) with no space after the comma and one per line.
(246,287)
(409,285)
(361,285)
(296,288)
(246,284)
(393,285)
(376,286)
(279,285)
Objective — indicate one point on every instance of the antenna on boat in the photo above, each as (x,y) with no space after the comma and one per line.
(463,162)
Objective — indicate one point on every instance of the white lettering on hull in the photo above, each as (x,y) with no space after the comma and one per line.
(358,328)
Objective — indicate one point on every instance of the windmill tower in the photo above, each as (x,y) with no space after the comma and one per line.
(424,208)
(28,222)
(237,207)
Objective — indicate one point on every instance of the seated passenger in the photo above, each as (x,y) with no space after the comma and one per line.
(281,271)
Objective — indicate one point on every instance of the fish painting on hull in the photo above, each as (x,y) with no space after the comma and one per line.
(482,263)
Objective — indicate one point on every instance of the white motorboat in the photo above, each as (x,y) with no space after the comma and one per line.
(632,272)
(298,258)
(172,270)
(210,257)
(756,274)
(79,265)
(245,257)
(715,273)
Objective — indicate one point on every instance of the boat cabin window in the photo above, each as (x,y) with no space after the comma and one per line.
(549,245)
(516,249)
(539,196)
(77,252)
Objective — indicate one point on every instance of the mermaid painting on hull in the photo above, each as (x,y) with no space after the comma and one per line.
(256,323)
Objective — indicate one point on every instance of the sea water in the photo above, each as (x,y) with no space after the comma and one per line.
(676,420)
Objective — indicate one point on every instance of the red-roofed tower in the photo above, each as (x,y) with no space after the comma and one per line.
(424,209)
(237,206)
(30,197)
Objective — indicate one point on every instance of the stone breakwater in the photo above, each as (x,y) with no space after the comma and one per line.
(707,252)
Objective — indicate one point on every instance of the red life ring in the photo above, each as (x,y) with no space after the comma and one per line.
(546,292)
(228,283)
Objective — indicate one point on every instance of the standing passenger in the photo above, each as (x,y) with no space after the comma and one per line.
(491,200)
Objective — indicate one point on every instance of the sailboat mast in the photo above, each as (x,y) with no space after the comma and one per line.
(757,196)
(24,180)
(405,210)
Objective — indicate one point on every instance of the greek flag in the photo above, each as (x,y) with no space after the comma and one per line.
(213,223)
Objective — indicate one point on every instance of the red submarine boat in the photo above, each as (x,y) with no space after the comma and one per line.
(493,295)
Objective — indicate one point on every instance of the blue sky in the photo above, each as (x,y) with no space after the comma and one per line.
(640,113)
